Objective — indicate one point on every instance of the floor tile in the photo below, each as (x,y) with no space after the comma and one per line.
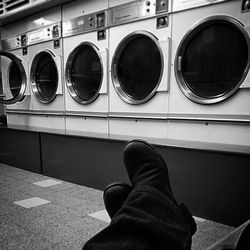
(199,219)
(47,183)
(32,202)
(101,215)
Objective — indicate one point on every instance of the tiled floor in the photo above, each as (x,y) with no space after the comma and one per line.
(68,215)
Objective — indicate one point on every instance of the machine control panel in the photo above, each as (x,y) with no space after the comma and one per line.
(83,24)
(136,10)
(15,42)
(44,34)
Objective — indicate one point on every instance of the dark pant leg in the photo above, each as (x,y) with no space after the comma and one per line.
(148,220)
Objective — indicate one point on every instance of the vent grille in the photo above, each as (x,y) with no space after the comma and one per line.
(7,6)
(1,7)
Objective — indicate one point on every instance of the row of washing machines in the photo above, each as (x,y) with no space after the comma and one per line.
(150,68)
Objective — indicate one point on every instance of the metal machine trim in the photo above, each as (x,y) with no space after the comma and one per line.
(19,63)
(182,46)
(33,78)
(69,62)
(116,57)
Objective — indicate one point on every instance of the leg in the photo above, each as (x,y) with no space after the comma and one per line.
(149,218)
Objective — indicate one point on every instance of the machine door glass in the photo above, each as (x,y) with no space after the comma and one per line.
(213,60)
(44,77)
(13,79)
(137,67)
(84,73)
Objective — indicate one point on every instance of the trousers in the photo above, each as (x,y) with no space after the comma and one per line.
(148,220)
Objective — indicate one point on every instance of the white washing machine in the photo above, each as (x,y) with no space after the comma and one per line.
(86,72)
(15,89)
(139,52)
(210,79)
(45,69)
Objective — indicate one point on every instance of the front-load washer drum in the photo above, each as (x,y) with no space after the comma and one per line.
(13,80)
(44,77)
(137,67)
(84,73)
(212,60)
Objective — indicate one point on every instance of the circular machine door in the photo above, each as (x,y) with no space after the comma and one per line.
(212,60)
(84,73)
(137,67)
(44,77)
(13,80)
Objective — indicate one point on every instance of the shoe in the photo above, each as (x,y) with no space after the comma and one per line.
(114,196)
(145,166)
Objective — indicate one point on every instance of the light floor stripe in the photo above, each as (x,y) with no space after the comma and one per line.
(199,219)
(47,183)
(101,215)
(32,202)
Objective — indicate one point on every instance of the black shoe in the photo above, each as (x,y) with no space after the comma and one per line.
(114,196)
(145,166)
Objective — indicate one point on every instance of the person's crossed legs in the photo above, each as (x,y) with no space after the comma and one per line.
(145,214)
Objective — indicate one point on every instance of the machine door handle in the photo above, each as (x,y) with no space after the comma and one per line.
(179,61)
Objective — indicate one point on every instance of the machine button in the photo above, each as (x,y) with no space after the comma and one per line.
(23,40)
(148,3)
(100,20)
(161,6)
(25,51)
(162,22)
(55,31)
(56,44)
(101,35)
(162,3)
(245,5)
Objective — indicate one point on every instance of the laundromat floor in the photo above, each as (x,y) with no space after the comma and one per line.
(38,212)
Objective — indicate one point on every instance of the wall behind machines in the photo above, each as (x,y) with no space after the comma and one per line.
(214,184)
(208,165)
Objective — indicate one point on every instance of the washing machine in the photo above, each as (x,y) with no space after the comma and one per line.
(210,79)
(15,89)
(85,67)
(139,68)
(45,70)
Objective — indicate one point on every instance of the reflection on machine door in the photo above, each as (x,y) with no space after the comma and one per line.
(137,67)
(44,77)
(84,73)
(212,60)
(13,79)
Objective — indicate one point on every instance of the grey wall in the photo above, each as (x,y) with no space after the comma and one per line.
(214,185)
